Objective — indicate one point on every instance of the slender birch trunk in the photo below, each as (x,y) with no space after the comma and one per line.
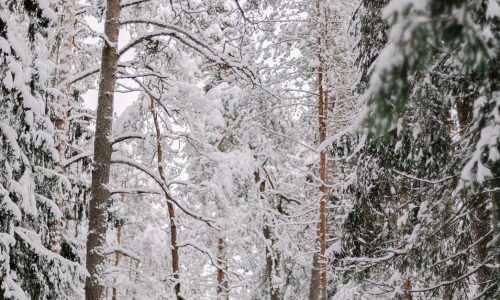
(98,216)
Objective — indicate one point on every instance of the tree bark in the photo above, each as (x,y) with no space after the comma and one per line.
(96,238)
(482,218)
(322,117)
(321,256)
(65,60)
(222,283)
(314,287)
(118,242)
(405,197)
(271,263)
(170,206)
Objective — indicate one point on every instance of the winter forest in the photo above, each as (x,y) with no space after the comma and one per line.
(249,149)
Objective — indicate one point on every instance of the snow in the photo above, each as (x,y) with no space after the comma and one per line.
(493,10)
(222,128)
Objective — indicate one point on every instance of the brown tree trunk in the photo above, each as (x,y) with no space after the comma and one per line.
(481,225)
(323,202)
(118,242)
(271,263)
(222,283)
(98,216)
(65,60)
(405,197)
(314,286)
(322,118)
(495,221)
(170,206)
(482,219)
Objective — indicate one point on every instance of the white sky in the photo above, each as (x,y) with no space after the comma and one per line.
(122,100)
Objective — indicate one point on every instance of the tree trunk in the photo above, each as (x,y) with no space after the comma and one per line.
(222,283)
(271,263)
(118,242)
(481,225)
(405,197)
(322,118)
(482,217)
(65,60)
(314,286)
(170,206)
(495,219)
(98,216)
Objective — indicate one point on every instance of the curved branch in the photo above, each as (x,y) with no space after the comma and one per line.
(65,163)
(143,38)
(196,44)
(131,163)
(139,190)
(128,136)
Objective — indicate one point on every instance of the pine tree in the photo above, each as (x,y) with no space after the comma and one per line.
(28,157)
(416,82)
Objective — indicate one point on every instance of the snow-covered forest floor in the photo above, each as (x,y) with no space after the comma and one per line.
(249,149)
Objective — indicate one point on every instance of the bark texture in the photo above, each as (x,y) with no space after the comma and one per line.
(118,242)
(222,283)
(272,261)
(482,217)
(322,117)
(98,216)
(65,60)
(170,206)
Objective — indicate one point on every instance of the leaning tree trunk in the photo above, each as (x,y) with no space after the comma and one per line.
(98,215)
(170,206)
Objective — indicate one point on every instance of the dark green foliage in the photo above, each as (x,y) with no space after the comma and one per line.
(418,192)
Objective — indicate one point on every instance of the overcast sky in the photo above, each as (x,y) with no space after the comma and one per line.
(122,100)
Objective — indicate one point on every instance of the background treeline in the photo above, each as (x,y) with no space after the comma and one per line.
(277,149)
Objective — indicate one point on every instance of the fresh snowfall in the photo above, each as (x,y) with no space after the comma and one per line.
(249,149)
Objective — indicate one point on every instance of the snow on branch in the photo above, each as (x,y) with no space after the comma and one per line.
(77,158)
(131,163)
(128,136)
(137,190)
(132,3)
(196,44)
(32,239)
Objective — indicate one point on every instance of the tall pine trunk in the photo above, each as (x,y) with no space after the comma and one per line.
(322,117)
(170,206)
(98,216)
